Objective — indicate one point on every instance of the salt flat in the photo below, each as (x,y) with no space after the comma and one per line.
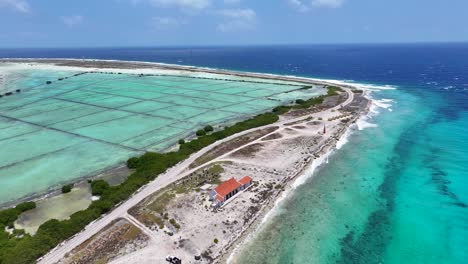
(86,122)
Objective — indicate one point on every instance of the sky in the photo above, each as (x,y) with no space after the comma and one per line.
(111,23)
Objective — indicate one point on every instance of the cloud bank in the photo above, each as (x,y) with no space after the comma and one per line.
(237,19)
(18,5)
(304,6)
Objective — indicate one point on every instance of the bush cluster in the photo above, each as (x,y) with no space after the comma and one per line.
(208,129)
(200,133)
(9,216)
(67,188)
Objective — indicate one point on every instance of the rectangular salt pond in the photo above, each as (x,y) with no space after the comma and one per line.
(55,133)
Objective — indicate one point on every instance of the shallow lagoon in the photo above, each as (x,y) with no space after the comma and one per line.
(55,133)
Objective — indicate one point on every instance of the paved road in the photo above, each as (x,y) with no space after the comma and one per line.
(173,174)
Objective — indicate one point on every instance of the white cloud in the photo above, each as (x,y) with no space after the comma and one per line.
(231,2)
(161,23)
(183,4)
(72,20)
(304,6)
(246,13)
(237,19)
(18,5)
(298,5)
(328,3)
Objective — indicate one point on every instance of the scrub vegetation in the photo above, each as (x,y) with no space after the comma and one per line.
(67,188)
(27,249)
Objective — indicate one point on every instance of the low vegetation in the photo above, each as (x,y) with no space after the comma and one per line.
(159,205)
(200,132)
(147,167)
(174,223)
(9,216)
(67,188)
(208,129)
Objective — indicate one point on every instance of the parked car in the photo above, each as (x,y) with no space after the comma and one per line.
(173,260)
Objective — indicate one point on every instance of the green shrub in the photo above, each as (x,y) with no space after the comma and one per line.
(216,241)
(181,141)
(174,223)
(132,163)
(67,188)
(98,187)
(333,90)
(201,132)
(26,206)
(281,109)
(208,129)
(9,216)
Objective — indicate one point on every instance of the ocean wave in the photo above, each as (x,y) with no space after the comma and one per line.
(373,110)
(343,140)
(363,124)
(364,86)
(381,104)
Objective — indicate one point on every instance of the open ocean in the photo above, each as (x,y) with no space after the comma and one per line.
(397,192)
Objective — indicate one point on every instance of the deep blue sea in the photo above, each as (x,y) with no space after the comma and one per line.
(397,192)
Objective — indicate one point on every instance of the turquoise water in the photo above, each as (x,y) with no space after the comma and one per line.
(384,197)
(55,133)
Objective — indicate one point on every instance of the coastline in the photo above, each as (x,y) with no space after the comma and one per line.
(229,253)
(132,67)
(321,153)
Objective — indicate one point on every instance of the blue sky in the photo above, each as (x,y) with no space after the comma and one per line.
(91,23)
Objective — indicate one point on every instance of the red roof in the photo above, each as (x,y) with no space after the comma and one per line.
(219,198)
(245,180)
(228,186)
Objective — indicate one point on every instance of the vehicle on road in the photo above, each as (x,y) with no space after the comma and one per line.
(173,260)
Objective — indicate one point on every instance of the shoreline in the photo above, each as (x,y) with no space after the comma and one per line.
(321,152)
(232,250)
(112,64)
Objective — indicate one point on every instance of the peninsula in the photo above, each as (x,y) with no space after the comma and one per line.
(179,134)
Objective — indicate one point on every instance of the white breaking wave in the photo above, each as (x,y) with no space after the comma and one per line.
(362,86)
(363,124)
(344,139)
(384,103)
(381,104)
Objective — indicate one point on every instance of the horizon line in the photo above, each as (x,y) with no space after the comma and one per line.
(242,45)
